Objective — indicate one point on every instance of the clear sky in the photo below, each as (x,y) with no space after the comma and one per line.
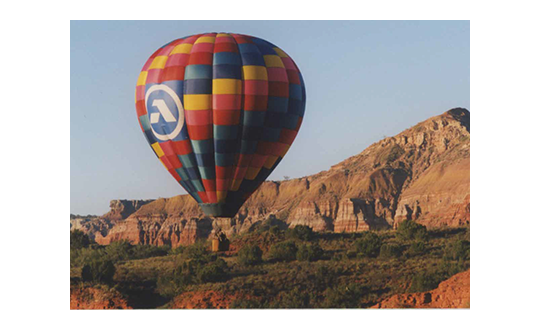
(364,80)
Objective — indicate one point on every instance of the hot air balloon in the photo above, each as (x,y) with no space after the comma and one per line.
(220,111)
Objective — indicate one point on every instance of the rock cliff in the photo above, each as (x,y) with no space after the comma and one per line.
(421,174)
(120,209)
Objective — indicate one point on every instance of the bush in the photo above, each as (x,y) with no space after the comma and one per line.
(175,283)
(177,250)
(274,230)
(100,270)
(294,298)
(118,251)
(78,240)
(450,268)
(368,245)
(324,276)
(301,232)
(197,251)
(416,248)
(390,251)
(424,282)
(284,251)
(309,252)
(241,303)
(250,255)
(195,271)
(212,272)
(79,257)
(410,230)
(459,250)
(345,296)
(141,251)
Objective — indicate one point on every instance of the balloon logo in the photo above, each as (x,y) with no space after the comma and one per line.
(161,102)
(220,111)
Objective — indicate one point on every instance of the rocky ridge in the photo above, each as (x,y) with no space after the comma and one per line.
(420,174)
(120,209)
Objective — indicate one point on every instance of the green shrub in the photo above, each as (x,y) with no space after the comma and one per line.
(196,271)
(416,248)
(390,251)
(250,255)
(177,250)
(241,303)
(141,251)
(368,245)
(265,225)
(294,298)
(79,257)
(410,230)
(309,252)
(174,284)
(425,282)
(301,232)
(78,240)
(324,276)
(197,251)
(284,251)
(450,268)
(118,251)
(459,250)
(274,230)
(212,272)
(98,270)
(345,296)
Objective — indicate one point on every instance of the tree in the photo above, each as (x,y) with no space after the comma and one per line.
(284,251)
(410,230)
(301,232)
(368,245)
(459,250)
(309,252)
(250,255)
(78,240)
(390,251)
(100,270)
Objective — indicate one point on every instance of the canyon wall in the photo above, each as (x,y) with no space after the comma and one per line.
(420,174)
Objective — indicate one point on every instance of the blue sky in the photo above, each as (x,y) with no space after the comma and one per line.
(364,80)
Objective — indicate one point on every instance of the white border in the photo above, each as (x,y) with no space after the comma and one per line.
(505,221)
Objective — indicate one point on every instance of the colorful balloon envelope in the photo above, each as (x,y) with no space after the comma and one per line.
(220,111)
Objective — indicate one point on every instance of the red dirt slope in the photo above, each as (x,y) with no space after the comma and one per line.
(83,297)
(452,293)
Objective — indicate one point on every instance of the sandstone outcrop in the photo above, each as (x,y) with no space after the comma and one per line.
(121,208)
(452,293)
(421,174)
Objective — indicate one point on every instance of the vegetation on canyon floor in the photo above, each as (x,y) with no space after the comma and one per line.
(275,268)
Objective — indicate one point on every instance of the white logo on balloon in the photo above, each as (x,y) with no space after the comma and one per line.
(165,112)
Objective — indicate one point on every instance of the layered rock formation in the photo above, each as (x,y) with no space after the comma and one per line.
(421,174)
(452,293)
(120,209)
